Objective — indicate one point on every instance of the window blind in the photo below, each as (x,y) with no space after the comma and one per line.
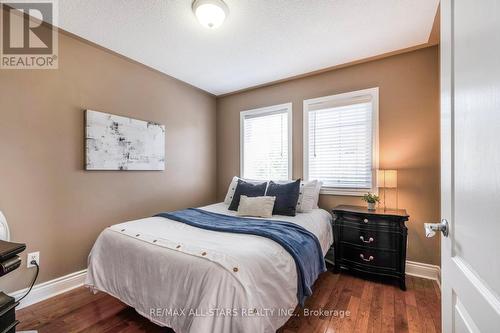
(265,145)
(340,147)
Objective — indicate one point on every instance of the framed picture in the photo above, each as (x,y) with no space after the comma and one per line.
(120,143)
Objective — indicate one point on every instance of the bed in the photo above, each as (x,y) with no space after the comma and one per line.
(203,281)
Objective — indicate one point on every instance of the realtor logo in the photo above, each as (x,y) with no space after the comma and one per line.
(28,38)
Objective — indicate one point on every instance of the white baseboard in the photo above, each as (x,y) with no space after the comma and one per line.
(425,271)
(50,288)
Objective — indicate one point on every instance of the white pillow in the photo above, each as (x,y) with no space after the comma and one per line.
(232,188)
(317,190)
(308,197)
(256,206)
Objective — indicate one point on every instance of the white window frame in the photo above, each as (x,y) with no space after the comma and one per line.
(264,111)
(374,93)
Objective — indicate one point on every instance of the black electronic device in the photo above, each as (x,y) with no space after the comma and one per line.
(8,320)
(10,249)
(9,261)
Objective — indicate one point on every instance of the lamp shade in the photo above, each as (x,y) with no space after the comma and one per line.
(210,13)
(387,178)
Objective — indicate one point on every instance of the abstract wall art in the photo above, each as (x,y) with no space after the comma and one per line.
(120,143)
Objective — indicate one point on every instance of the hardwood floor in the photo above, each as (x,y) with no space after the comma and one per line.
(367,305)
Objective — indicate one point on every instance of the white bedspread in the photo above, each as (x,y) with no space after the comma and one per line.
(195,280)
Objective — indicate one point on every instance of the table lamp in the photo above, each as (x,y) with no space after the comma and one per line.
(388,179)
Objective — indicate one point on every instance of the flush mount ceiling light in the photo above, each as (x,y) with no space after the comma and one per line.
(210,13)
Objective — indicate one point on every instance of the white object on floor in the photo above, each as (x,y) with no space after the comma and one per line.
(4,228)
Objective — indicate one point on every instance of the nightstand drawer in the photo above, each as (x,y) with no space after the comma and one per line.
(369,257)
(370,238)
(366,219)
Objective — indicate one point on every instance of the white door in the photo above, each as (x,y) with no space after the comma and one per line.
(470,162)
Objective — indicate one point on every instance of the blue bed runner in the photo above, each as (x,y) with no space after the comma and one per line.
(302,245)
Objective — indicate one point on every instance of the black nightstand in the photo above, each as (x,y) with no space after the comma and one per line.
(371,242)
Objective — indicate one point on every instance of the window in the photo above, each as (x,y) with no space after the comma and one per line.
(341,141)
(266,143)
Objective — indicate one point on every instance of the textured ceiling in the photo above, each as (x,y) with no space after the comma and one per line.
(261,41)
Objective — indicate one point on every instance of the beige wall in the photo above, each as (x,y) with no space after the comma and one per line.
(58,208)
(50,202)
(409,131)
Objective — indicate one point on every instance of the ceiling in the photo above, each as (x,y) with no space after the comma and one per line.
(261,41)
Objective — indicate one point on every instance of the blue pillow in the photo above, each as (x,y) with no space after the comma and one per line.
(286,195)
(248,189)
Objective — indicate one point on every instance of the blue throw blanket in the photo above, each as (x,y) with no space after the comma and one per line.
(302,245)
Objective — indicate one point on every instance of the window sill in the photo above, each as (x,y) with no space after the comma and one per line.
(346,191)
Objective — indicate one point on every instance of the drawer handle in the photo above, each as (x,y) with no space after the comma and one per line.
(365,220)
(366,241)
(370,258)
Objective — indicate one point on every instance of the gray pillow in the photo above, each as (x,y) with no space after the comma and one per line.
(286,195)
(248,189)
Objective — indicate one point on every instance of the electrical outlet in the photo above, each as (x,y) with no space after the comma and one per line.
(33,256)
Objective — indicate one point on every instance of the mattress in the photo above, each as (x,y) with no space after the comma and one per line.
(196,280)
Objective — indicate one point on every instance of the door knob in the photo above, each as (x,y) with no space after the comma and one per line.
(431,228)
